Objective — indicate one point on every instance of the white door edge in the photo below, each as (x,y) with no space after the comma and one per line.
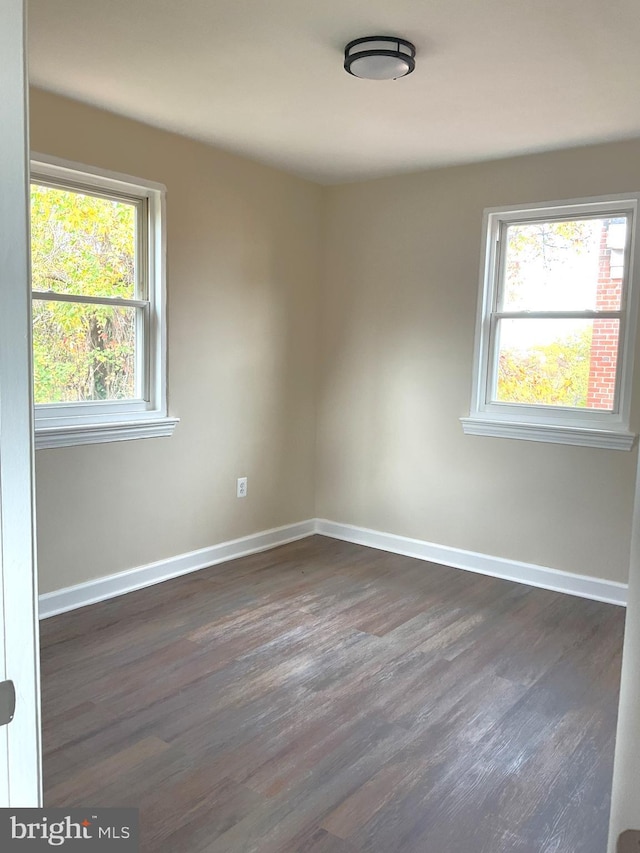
(20,749)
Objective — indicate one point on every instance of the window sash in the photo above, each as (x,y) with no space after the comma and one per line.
(499,268)
(142,302)
(498,273)
(494,356)
(142,223)
(142,353)
(491,384)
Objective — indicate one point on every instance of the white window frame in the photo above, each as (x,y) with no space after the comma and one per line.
(66,424)
(591,428)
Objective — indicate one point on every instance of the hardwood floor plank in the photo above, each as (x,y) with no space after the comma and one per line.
(324,697)
(318,841)
(90,779)
(272,826)
(231,804)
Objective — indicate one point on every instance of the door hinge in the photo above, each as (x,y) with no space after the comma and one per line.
(7,702)
(629,841)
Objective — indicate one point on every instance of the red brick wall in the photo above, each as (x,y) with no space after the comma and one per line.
(604,344)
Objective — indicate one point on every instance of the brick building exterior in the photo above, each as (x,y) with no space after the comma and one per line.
(604,343)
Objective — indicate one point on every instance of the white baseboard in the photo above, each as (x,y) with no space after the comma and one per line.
(72,597)
(598,589)
(90,592)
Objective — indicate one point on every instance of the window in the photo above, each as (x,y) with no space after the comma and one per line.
(99,340)
(556,323)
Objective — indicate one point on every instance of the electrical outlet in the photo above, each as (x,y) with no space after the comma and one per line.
(241,491)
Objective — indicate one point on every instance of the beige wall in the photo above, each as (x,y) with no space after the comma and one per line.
(397,326)
(243,256)
(386,273)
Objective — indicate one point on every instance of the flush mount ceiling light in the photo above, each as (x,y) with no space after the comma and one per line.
(379,57)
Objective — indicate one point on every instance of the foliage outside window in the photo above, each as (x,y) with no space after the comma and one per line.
(554,340)
(97,256)
(83,246)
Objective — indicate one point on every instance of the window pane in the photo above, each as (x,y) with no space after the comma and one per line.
(82,244)
(569,363)
(83,352)
(570,265)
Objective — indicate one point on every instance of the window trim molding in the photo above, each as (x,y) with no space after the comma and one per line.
(58,425)
(608,430)
(551,433)
(98,433)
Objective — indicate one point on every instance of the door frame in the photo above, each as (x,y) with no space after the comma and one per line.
(20,740)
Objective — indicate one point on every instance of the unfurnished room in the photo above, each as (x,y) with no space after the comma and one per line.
(319,416)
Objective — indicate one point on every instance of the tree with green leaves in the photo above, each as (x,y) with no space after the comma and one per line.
(82,245)
(553,374)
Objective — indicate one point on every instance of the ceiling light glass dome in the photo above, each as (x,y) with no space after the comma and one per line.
(379,57)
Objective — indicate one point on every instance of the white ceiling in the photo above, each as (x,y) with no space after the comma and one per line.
(264,77)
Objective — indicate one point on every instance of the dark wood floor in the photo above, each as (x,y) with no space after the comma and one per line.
(328,698)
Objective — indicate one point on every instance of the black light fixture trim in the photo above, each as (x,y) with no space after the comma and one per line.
(409,57)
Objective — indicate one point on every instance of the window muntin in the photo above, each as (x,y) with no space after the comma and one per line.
(556,323)
(100,369)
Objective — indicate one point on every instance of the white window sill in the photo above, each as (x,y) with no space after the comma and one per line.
(553,433)
(97,433)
